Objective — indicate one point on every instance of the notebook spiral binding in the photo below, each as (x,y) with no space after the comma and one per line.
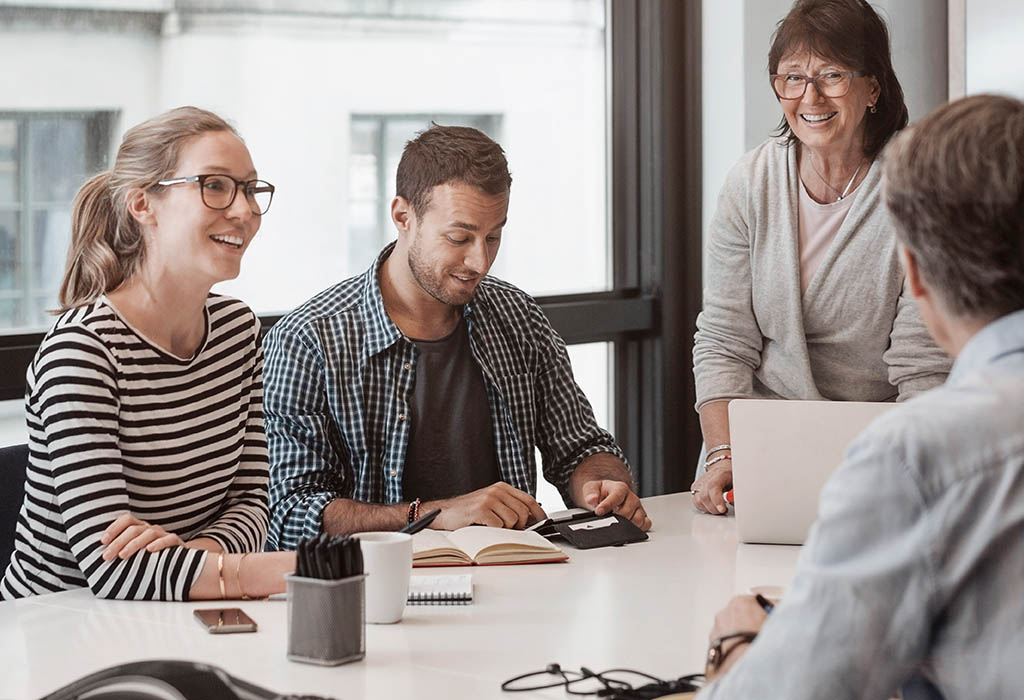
(441,590)
(437,598)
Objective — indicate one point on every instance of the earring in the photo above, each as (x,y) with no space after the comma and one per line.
(874,109)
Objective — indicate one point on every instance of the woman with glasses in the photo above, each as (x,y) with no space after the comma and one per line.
(147,474)
(803,295)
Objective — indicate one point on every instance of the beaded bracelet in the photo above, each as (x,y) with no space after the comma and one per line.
(414,511)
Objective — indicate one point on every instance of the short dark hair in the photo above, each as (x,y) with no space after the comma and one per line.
(852,34)
(954,183)
(445,154)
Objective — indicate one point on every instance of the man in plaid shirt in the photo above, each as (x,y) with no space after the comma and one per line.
(423,383)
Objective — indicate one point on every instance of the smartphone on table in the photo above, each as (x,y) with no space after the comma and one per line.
(225,620)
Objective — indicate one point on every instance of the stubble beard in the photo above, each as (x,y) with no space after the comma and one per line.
(430,283)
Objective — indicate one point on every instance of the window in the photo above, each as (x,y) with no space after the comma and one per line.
(323,93)
(44,159)
(377,144)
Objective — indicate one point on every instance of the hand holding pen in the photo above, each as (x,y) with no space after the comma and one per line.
(421,522)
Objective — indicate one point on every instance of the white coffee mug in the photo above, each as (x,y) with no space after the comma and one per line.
(387,561)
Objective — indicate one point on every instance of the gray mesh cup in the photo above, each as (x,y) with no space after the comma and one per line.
(326,619)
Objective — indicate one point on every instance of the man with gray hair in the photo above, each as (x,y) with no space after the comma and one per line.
(911,577)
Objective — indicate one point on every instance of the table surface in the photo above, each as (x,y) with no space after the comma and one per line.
(646,606)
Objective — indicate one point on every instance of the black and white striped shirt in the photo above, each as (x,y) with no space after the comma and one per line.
(118,425)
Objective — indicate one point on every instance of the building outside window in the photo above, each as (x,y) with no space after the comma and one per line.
(44,158)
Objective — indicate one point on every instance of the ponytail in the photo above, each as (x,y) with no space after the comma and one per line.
(105,247)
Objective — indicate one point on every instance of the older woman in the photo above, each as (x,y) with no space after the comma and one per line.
(804,292)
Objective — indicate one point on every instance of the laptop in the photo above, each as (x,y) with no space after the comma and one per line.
(783,452)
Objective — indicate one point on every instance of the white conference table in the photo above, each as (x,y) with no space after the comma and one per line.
(646,606)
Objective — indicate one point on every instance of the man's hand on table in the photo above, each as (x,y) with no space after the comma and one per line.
(497,505)
(605,496)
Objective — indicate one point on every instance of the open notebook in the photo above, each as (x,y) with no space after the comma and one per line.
(441,590)
(477,544)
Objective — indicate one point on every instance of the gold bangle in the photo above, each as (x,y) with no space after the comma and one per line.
(220,574)
(238,576)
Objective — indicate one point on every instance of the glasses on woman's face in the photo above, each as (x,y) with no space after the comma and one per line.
(218,191)
(833,83)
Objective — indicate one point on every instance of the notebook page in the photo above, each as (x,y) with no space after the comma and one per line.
(474,538)
(426,540)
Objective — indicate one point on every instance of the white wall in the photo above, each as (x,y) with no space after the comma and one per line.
(89,70)
(994,46)
(722,95)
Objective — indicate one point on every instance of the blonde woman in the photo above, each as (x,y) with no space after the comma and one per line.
(148,473)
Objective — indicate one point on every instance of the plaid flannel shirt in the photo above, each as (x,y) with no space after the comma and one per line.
(339,380)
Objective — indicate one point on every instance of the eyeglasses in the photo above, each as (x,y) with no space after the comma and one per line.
(617,683)
(792,86)
(218,191)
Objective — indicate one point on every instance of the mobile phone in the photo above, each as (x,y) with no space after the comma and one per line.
(225,620)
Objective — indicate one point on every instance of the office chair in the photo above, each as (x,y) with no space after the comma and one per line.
(13,466)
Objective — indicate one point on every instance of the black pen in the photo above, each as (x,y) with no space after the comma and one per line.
(420,523)
(765,604)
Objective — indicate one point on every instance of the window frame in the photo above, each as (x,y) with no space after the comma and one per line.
(649,315)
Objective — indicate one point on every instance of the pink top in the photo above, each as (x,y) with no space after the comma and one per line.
(819,224)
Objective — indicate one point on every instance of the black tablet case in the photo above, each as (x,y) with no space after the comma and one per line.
(622,531)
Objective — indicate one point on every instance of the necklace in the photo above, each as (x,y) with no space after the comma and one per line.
(829,184)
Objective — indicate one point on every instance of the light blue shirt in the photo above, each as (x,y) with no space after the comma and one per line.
(913,574)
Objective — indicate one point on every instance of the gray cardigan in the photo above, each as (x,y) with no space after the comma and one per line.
(855,335)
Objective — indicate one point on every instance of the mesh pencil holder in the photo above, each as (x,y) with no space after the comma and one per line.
(326,619)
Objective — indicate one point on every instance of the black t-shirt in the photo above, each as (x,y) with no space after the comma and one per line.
(451,440)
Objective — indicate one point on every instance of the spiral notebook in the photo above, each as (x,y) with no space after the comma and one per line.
(454,589)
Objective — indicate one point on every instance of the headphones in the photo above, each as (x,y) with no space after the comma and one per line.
(166,680)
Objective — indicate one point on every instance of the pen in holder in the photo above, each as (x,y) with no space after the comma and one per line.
(327,602)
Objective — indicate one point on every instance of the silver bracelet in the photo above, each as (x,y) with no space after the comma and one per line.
(719,448)
(716,460)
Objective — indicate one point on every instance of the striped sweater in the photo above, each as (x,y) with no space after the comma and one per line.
(118,425)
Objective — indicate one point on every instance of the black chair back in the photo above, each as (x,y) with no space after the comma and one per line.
(13,466)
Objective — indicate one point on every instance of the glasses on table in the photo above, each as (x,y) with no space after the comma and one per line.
(833,83)
(218,191)
(616,683)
